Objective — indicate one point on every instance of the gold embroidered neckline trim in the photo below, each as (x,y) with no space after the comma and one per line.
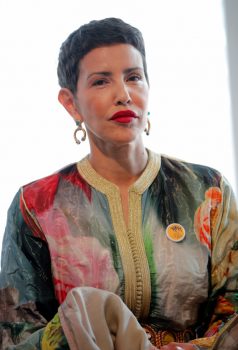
(130,241)
(103,185)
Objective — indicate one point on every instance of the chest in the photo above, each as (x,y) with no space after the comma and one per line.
(118,243)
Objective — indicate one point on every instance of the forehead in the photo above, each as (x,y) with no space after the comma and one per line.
(109,58)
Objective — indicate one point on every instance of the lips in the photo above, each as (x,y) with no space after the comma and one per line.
(124,116)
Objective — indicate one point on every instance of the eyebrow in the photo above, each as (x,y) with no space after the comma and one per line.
(107,74)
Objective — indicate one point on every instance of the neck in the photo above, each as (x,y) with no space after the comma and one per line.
(121,165)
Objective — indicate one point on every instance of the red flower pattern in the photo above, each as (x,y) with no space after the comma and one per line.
(206,214)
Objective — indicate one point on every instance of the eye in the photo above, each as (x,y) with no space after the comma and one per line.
(99,82)
(135,77)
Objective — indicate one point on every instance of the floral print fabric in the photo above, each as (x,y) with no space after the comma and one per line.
(60,235)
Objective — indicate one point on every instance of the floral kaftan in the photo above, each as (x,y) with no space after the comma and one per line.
(68,230)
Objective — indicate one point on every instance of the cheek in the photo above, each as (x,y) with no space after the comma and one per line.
(98,103)
(88,108)
(143,99)
(142,95)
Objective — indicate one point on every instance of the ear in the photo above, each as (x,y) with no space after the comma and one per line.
(66,98)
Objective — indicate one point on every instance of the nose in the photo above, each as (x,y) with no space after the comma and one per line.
(122,94)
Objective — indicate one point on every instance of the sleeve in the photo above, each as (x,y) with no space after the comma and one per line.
(27,300)
(222,331)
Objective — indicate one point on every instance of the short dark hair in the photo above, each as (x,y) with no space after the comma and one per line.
(97,33)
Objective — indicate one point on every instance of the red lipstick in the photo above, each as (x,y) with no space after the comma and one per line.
(124,116)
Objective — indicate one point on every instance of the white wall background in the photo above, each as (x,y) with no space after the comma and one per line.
(189,103)
(231,23)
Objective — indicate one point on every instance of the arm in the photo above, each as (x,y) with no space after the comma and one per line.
(27,298)
(223,303)
(218,323)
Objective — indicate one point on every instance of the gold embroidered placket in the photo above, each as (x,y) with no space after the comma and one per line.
(130,241)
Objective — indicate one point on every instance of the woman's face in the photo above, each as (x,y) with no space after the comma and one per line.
(112,80)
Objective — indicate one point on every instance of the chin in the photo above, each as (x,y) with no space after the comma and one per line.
(127,140)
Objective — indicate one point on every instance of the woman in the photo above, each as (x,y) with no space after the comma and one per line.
(159,233)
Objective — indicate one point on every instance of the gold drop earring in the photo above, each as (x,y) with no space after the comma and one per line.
(147,129)
(79,128)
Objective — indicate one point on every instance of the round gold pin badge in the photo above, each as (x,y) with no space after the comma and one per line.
(175,232)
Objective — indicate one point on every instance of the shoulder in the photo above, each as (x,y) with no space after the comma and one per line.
(45,186)
(39,195)
(191,171)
